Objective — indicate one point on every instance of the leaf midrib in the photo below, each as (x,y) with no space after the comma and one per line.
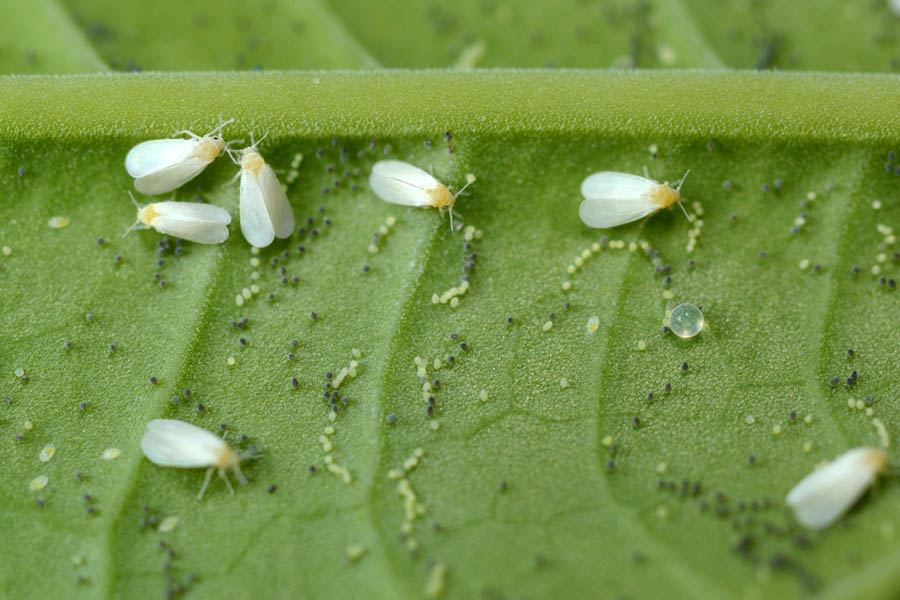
(121,499)
(752,107)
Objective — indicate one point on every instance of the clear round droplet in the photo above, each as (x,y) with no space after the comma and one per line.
(686,320)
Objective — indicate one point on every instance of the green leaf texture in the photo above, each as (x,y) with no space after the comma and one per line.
(520,494)
(546,468)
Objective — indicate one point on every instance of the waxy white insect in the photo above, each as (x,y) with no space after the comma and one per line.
(399,182)
(172,443)
(265,210)
(201,223)
(827,493)
(160,166)
(612,199)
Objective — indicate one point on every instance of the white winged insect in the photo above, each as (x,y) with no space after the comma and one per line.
(160,166)
(265,210)
(827,493)
(399,182)
(172,443)
(612,199)
(201,223)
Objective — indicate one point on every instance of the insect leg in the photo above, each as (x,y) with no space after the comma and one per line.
(205,483)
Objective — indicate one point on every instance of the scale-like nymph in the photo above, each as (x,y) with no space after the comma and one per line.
(201,223)
(160,166)
(399,182)
(172,443)
(265,210)
(612,199)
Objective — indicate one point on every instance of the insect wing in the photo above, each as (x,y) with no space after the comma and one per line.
(202,232)
(277,205)
(171,177)
(193,210)
(149,157)
(172,443)
(610,184)
(612,212)
(256,225)
(613,199)
(825,494)
(398,182)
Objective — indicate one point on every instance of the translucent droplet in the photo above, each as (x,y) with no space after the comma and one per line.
(686,320)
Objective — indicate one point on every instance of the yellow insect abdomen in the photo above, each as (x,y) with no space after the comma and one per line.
(208,149)
(877,459)
(664,196)
(252,161)
(441,196)
(148,214)
(227,458)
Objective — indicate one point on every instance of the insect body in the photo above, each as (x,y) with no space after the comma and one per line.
(612,199)
(172,443)
(160,166)
(827,493)
(399,182)
(201,223)
(265,210)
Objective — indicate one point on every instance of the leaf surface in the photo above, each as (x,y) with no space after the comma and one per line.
(546,468)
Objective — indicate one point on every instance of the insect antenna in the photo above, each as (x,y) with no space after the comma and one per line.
(463,188)
(221,125)
(137,221)
(678,189)
(233,155)
(255,143)
(470,179)
(231,152)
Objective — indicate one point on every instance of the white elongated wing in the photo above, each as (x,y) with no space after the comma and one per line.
(202,232)
(398,182)
(609,184)
(172,443)
(193,210)
(827,493)
(171,177)
(280,212)
(150,157)
(611,212)
(612,199)
(255,222)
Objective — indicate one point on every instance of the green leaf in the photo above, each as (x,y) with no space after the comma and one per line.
(517,491)
(170,35)
(825,35)
(39,37)
(835,35)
